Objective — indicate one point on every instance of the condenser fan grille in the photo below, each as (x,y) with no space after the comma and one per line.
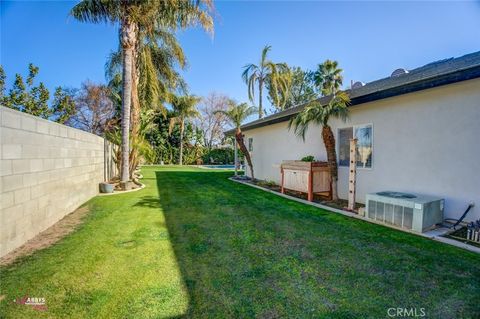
(397,215)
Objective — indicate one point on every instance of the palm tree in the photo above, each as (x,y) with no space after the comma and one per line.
(237,113)
(136,17)
(267,74)
(157,53)
(328,77)
(155,72)
(279,89)
(185,108)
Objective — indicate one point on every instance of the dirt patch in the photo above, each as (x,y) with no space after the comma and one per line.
(339,204)
(48,237)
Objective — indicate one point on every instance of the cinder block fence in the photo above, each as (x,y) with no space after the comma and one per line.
(47,171)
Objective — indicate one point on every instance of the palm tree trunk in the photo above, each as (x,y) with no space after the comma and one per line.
(180,161)
(329,141)
(134,115)
(135,112)
(235,156)
(243,148)
(128,36)
(260,97)
(134,120)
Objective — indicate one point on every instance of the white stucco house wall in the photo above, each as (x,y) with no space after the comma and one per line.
(423,129)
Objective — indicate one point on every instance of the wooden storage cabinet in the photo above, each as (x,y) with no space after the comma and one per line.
(295,180)
(306,177)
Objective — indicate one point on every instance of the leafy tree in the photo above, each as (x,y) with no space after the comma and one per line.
(185,108)
(237,114)
(161,141)
(17,96)
(273,76)
(25,97)
(166,145)
(31,99)
(212,123)
(94,109)
(328,78)
(194,148)
(3,77)
(302,88)
(36,102)
(63,106)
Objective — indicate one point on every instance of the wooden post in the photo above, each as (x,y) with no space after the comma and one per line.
(283,189)
(310,186)
(352,174)
(105,160)
(330,193)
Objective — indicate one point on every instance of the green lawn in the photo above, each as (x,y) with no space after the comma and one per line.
(194,244)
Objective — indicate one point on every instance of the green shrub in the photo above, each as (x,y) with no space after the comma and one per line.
(308,158)
(265,183)
(218,156)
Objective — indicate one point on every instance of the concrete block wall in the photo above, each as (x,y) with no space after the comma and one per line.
(47,171)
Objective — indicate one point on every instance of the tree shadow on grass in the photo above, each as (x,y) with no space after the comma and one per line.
(148,202)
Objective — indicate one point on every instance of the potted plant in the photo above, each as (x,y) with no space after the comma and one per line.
(106,187)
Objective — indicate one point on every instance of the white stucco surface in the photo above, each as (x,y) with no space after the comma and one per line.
(424,142)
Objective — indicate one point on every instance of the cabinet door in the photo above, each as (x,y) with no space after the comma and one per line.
(321,181)
(296,180)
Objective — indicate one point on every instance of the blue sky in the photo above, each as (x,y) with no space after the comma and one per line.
(369,39)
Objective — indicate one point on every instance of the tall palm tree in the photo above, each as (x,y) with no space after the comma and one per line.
(329,78)
(237,114)
(135,16)
(185,107)
(279,89)
(158,52)
(155,74)
(266,73)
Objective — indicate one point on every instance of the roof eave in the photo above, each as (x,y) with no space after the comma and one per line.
(423,84)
